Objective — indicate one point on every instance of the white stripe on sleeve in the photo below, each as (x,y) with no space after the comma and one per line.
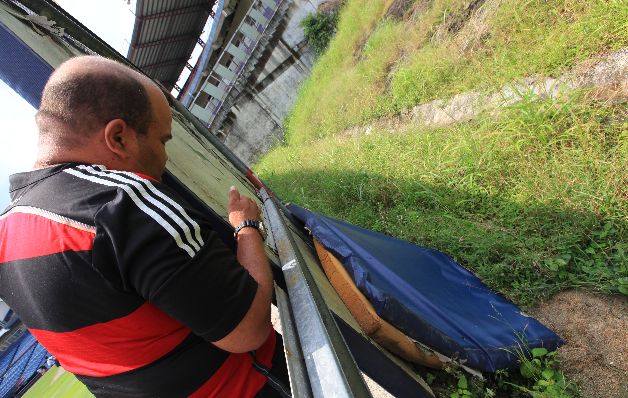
(166,198)
(172,231)
(196,244)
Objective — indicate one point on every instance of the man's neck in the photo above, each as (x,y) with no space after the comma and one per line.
(45,164)
(48,158)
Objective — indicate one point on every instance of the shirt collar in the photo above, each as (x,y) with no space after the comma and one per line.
(19,181)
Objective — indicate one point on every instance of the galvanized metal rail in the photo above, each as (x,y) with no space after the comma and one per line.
(331,369)
(299,383)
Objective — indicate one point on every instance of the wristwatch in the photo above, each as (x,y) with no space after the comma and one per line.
(252,224)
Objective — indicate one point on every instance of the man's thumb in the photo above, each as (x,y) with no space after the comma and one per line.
(234,195)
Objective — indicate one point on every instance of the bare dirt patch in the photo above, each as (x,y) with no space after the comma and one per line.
(477,29)
(398,8)
(418,8)
(358,48)
(596,330)
(455,21)
(330,6)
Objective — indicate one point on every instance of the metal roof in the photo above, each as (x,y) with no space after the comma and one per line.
(165,34)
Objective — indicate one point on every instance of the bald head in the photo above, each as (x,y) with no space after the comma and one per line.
(85,93)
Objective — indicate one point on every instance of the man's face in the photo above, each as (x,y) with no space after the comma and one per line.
(152,145)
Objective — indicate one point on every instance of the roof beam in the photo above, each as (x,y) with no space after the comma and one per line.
(168,62)
(173,39)
(205,6)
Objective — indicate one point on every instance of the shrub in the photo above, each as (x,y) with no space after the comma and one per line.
(319,28)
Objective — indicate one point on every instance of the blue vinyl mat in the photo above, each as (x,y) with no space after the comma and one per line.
(430,297)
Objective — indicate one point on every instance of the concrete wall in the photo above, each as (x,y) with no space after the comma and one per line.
(254,123)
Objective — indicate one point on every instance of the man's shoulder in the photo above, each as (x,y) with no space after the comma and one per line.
(81,191)
(147,207)
(100,176)
(58,191)
(133,184)
(134,189)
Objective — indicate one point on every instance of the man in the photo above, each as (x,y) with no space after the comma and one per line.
(122,281)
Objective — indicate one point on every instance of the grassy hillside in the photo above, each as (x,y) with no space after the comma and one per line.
(532,200)
(379,65)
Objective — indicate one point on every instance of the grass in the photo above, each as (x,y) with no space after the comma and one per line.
(57,383)
(533,201)
(378,67)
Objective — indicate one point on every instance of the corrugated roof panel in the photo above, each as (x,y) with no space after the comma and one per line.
(165,34)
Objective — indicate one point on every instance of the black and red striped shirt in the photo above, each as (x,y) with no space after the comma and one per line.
(125,284)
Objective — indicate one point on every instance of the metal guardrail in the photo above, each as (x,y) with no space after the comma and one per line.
(299,383)
(331,369)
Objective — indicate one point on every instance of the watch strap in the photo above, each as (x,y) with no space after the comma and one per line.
(246,224)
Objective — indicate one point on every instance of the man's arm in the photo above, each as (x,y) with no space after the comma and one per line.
(176,262)
(253,329)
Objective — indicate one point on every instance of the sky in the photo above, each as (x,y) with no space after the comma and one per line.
(18,138)
(18,134)
(113,21)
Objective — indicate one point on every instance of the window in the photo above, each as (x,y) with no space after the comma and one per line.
(203,99)
(249,21)
(238,38)
(226,60)
(213,81)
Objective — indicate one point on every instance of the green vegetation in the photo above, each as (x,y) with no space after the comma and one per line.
(378,66)
(538,376)
(319,28)
(57,383)
(533,199)
(543,370)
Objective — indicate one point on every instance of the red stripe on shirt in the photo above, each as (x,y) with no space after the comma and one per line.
(33,235)
(117,346)
(146,177)
(236,377)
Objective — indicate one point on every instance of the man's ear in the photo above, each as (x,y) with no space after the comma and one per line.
(119,137)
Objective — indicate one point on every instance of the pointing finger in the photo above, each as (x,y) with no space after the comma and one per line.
(234,195)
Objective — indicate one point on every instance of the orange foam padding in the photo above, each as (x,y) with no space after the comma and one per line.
(362,310)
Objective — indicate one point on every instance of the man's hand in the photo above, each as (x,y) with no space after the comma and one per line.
(253,329)
(241,208)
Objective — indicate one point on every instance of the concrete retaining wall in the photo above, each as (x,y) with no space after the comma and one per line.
(254,123)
